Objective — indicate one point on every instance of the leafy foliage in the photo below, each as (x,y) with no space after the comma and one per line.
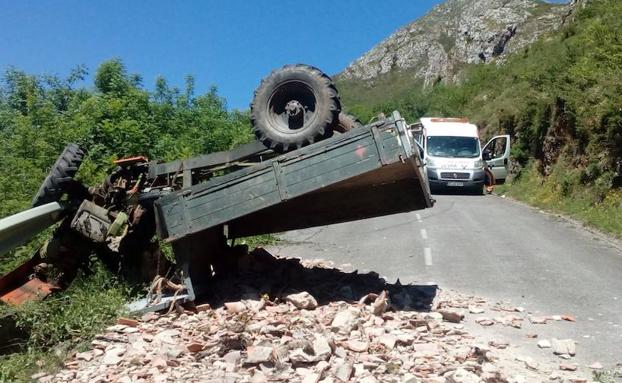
(39,116)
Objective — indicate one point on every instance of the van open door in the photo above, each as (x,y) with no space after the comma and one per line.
(496,153)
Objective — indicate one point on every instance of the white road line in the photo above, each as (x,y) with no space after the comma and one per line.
(427,254)
(424,234)
(418,217)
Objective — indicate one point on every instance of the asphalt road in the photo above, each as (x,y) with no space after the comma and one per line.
(495,248)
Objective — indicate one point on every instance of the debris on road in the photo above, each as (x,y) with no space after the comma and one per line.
(485,321)
(563,347)
(596,366)
(538,320)
(454,316)
(302,300)
(568,367)
(249,333)
(476,310)
(544,343)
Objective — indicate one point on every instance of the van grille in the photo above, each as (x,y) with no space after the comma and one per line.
(455,175)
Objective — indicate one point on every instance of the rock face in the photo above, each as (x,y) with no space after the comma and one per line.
(457,32)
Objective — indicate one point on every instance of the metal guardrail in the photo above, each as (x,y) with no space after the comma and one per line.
(18,228)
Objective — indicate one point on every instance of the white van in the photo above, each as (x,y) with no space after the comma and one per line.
(452,153)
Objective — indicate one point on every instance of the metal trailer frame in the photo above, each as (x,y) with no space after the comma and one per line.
(370,171)
(187,168)
(349,170)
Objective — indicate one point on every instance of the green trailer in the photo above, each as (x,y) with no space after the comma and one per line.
(370,171)
(367,172)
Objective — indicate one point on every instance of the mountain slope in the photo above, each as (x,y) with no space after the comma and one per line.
(439,45)
(560,99)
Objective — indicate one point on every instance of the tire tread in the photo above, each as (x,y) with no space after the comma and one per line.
(316,133)
(62,172)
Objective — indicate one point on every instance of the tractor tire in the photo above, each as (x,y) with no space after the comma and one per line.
(347,122)
(294,106)
(63,171)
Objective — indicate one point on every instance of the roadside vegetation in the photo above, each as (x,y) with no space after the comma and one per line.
(563,193)
(115,118)
(608,376)
(45,332)
(560,99)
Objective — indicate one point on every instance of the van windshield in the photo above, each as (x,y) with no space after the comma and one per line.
(451,146)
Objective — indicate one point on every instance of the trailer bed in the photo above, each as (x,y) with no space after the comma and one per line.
(367,172)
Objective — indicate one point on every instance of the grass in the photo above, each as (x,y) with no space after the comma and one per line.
(11,260)
(543,8)
(62,324)
(258,241)
(609,376)
(562,192)
(387,87)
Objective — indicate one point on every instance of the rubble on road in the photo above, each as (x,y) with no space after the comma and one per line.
(258,274)
(302,300)
(544,343)
(596,366)
(563,347)
(380,333)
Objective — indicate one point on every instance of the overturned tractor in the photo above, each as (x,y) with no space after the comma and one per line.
(311,165)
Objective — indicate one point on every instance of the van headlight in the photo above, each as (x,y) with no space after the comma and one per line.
(478,164)
(430,163)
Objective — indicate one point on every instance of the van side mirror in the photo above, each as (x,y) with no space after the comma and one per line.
(416,127)
(486,155)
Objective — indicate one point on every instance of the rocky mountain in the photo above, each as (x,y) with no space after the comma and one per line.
(457,32)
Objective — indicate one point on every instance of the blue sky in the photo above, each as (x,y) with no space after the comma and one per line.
(231,44)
